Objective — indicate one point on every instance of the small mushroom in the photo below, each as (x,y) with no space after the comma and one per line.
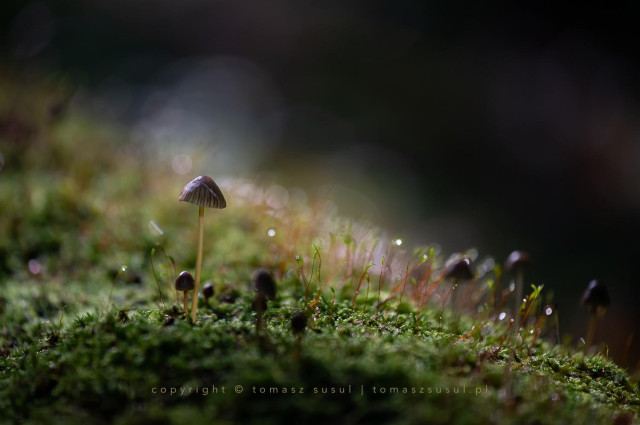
(517,263)
(459,271)
(596,297)
(298,322)
(185,283)
(207,291)
(265,284)
(204,192)
(298,325)
(259,305)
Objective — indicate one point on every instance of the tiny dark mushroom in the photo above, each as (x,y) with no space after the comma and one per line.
(517,263)
(204,192)
(259,305)
(298,322)
(298,325)
(122,316)
(458,272)
(265,284)
(185,283)
(207,291)
(596,297)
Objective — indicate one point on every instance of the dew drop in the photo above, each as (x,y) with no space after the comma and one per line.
(271,233)
(34,267)
(398,242)
(512,287)
(502,316)
(548,311)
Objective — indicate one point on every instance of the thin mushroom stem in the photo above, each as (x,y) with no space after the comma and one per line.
(454,304)
(186,302)
(518,290)
(194,305)
(592,329)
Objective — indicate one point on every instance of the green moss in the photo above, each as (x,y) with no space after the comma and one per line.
(83,343)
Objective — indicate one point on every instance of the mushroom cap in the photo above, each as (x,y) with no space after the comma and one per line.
(184,282)
(203,191)
(207,290)
(518,260)
(264,284)
(459,270)
(596,296)
(298,322)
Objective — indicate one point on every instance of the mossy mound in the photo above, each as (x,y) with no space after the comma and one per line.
(92,238)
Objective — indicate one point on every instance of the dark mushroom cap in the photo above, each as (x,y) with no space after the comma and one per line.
(459,270)
(184,282)
(596,296)
(203,191)
(264,284)
(207,290)
(298,322)
(518,260)
(259,303)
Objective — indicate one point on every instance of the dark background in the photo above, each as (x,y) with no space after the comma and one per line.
(504,127)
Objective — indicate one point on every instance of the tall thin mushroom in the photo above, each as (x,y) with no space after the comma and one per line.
(517,263)
(596,297)
(459,271)
(204,192)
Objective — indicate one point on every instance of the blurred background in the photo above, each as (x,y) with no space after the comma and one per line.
(513,127)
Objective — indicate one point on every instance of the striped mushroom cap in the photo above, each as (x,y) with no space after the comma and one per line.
(203,191)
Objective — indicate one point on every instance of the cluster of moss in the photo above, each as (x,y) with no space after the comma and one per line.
(83,341)
(148,366)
